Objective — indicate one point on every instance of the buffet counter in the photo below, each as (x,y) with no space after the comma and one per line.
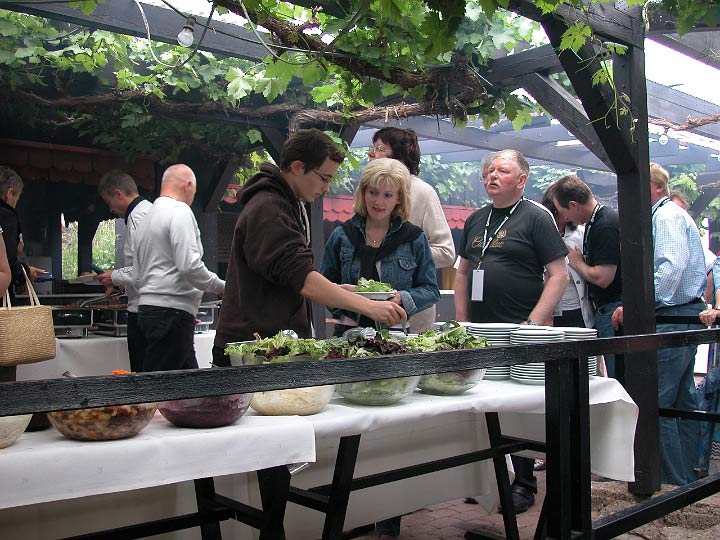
(97,355)
(415,430)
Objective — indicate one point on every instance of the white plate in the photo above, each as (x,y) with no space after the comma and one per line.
(84,280)
(377,295)
(536,382)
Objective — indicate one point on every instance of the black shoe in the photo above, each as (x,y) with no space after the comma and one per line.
(522,499)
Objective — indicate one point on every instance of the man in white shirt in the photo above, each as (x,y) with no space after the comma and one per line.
(119,191)
(170,274)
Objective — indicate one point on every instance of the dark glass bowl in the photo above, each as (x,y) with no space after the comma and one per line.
(206,412)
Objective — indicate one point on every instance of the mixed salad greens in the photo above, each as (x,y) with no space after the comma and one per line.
(370,285)
(284,348)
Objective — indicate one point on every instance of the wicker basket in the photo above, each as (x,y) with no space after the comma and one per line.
(26,332)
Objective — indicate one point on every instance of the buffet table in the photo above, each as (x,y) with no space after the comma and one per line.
(418,429)
(98,355)
(422,427)
(45,466)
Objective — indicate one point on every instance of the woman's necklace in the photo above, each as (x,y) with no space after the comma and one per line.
(375,242)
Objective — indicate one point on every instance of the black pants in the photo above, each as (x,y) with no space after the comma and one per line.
(570,318)
(170,335)
(524,473)
(136,342)
(219,359)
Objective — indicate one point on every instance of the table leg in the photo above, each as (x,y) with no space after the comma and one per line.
(204,494)
(274,484)
(340,492)
(503,483)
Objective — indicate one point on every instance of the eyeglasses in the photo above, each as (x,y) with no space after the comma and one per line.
(324,178)
(377,148)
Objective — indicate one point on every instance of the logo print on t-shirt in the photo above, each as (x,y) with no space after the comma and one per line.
(502,233)
(477,242)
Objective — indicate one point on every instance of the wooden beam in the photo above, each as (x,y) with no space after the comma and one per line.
(505,71)
(606,19)
(481,139)
(564,106)
(123,17)
(613,129)
(676,106)
(706,196)
(637,268)
(273,139)
(217,188)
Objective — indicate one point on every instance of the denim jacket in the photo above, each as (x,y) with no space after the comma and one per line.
(409,269)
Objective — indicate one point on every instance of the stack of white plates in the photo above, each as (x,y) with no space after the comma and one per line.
(497,335)
(580,334)
(534,372)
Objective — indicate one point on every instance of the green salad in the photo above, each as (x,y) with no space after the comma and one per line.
(370,285)
(278,348)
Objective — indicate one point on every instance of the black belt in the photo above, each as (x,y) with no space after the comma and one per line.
(690,303)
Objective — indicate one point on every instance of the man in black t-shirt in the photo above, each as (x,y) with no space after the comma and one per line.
(599,261)
(506,249)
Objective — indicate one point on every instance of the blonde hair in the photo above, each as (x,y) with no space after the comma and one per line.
(397,176)
(659,177)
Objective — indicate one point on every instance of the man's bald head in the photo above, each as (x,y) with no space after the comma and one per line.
(179,182)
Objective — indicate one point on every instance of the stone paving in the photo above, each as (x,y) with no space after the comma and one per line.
(450,520)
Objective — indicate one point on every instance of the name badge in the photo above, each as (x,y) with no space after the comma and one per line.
(478,282)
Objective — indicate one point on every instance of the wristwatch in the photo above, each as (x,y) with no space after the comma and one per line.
(530,322)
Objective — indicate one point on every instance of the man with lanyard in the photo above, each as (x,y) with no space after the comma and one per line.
(505,249)
(599,261)
(679,284)
(119,191)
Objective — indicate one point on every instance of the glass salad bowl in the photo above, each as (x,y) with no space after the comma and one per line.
(378,392)
(103,423)
(206,412)
(450,383)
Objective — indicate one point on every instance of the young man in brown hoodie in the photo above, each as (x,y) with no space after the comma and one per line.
(271,274)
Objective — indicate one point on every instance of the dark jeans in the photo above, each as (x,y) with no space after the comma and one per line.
(136,343)
(524,473)
(170,338)
(603,323)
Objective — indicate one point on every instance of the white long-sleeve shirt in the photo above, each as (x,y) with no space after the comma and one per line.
(168,269)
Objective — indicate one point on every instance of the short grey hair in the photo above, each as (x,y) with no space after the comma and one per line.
(117,179)
(10,179)
(515,156)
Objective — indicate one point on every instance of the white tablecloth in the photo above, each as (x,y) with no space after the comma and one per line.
(422,428)
(419,428)
(45,466)
(98,355)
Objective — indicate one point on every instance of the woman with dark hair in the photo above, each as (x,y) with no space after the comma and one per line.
(425,209)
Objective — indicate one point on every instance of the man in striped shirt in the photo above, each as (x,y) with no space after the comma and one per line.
(679,284)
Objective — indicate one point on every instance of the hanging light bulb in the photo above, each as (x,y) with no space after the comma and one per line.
(187,34)
(499,105)
(663,139)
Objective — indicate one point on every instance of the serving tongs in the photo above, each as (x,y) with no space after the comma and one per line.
(99,300)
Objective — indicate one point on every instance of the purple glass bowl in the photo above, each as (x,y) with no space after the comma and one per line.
(206,412)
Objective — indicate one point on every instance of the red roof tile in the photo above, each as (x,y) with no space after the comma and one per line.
(73,164)
(339,208)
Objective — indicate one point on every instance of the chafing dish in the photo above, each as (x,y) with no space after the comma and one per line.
(206,316)
(71,322)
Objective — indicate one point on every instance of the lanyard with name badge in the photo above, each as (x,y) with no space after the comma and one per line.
(659,206)
(589,225)
(478,277)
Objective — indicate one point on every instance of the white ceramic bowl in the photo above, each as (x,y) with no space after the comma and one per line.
(11,427)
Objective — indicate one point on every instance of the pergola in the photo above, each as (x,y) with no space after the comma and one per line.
(606,146)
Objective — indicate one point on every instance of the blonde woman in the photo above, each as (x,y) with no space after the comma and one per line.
(379,243)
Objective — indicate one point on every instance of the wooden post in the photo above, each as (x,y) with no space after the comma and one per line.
(637,269)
